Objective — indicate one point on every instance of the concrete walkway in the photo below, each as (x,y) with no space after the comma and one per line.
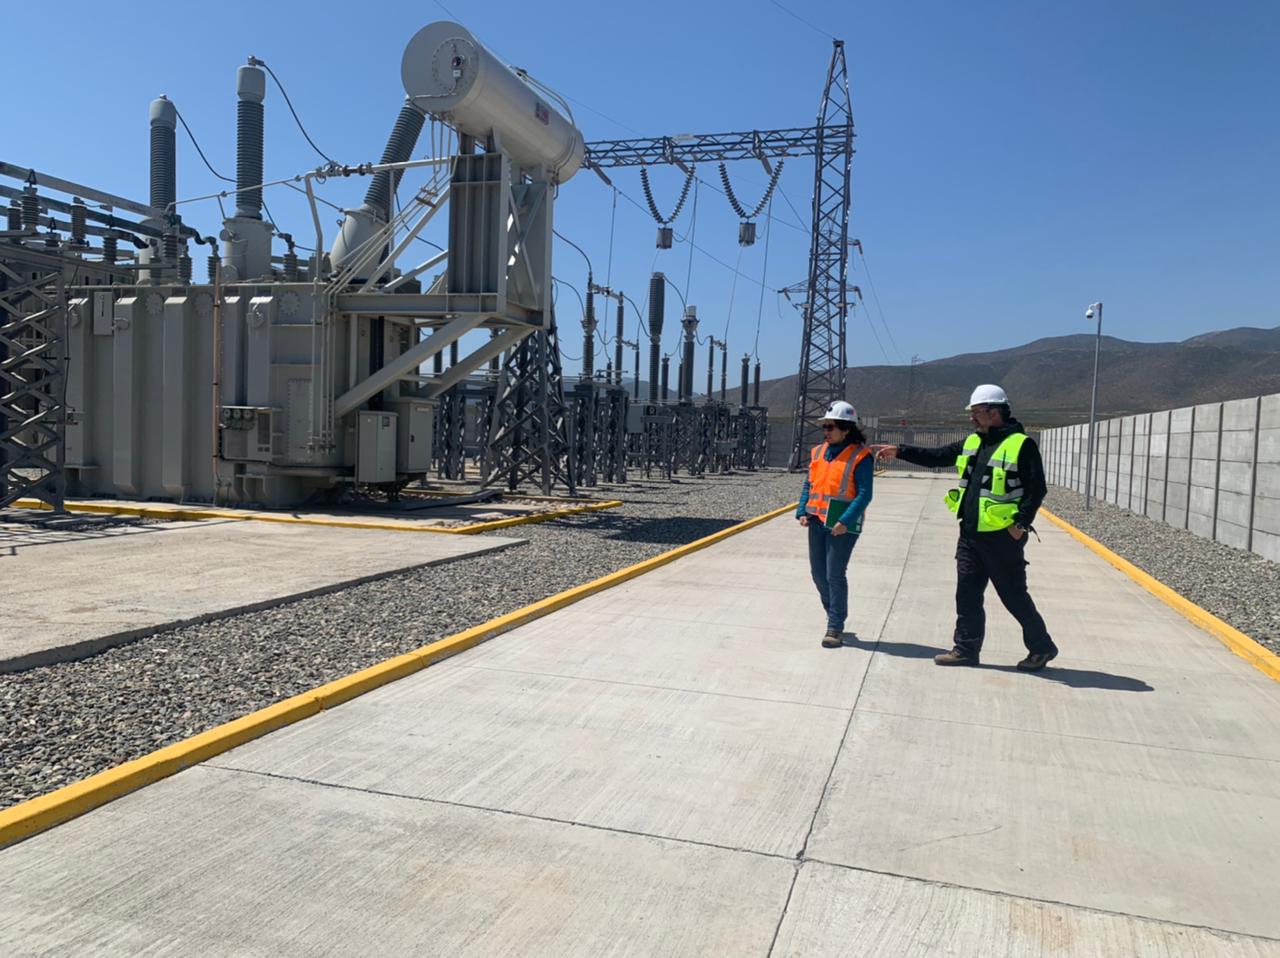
(676,767)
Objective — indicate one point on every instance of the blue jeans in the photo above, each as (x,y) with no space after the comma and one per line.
(828,559)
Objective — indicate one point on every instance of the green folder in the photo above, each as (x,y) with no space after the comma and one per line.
(836,509)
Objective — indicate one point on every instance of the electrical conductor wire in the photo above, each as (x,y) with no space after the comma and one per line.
(226,179)
(289,103)
(764,269)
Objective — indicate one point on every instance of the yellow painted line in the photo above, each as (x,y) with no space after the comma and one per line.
(39,814)
(185,514)
(1260,657)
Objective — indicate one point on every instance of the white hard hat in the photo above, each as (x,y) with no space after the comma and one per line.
(840,412)
(989,394)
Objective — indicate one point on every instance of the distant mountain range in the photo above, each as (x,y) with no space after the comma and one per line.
(1049,380)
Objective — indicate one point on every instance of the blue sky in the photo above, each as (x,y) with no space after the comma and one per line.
(1016,160)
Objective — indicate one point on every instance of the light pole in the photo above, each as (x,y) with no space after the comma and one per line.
(1093,407)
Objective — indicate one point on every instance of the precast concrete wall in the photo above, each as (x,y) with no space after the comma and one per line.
(1213,469)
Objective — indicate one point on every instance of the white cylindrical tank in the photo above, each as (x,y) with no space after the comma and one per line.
(447,72)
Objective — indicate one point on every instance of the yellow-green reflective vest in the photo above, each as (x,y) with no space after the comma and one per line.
(1000,484)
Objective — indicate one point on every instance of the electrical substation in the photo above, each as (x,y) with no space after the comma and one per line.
(287,378)
(409,574)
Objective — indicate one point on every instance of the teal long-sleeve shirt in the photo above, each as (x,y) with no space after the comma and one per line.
(864,478)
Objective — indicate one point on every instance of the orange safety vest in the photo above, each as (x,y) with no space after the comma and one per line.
(834,479)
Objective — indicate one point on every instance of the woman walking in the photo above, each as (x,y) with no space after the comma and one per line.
(832,502)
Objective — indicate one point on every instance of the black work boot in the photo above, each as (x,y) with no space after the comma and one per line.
(1037,660)
(956,656)
(832,640)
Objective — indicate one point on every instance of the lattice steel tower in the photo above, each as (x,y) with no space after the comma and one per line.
(825,314)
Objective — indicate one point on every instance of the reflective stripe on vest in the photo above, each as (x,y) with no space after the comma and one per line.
(971,445)
(834,479)
(1000,484)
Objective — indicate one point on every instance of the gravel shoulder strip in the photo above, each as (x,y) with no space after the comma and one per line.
(1238,587)
(64,722)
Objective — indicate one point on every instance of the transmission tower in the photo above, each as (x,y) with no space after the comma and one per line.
(825,313)
(826,303)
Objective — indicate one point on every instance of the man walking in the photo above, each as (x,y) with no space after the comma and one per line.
(1001,486)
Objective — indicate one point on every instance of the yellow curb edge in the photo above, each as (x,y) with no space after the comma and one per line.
(44,812)
(182,514)
(1260,657)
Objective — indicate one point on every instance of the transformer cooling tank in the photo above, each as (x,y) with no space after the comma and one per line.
(447,72)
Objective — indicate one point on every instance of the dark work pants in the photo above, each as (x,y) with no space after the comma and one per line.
(995,557)
(828,564)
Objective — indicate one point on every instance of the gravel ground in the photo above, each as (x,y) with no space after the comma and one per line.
(61,723)
(1238,587)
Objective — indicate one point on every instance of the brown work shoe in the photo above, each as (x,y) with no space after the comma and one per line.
(956,656)
(832,640)
(1037,660)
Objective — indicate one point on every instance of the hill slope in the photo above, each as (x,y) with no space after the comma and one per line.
(1049,380)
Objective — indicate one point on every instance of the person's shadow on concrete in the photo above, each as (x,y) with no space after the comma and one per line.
(1074,678)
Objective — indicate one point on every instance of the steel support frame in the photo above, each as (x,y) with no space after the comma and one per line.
(654,446)
(703,147)
(33,356)
(751,436)
(611,428)
(462,427)
(598,440)
(694,437)
(449,442)
(584,439)
(760,433)
(529,435)
(722,439)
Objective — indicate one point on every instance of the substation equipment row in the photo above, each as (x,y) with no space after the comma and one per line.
(610,426)
(284,379)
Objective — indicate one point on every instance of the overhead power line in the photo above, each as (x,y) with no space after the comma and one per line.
(811,26)
(715,259)
(196,144)
(226,179)
(289,103)
(876,296)
(768,231)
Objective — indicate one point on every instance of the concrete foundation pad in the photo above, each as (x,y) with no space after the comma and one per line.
(71,594)
(269,867)
(842,912)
